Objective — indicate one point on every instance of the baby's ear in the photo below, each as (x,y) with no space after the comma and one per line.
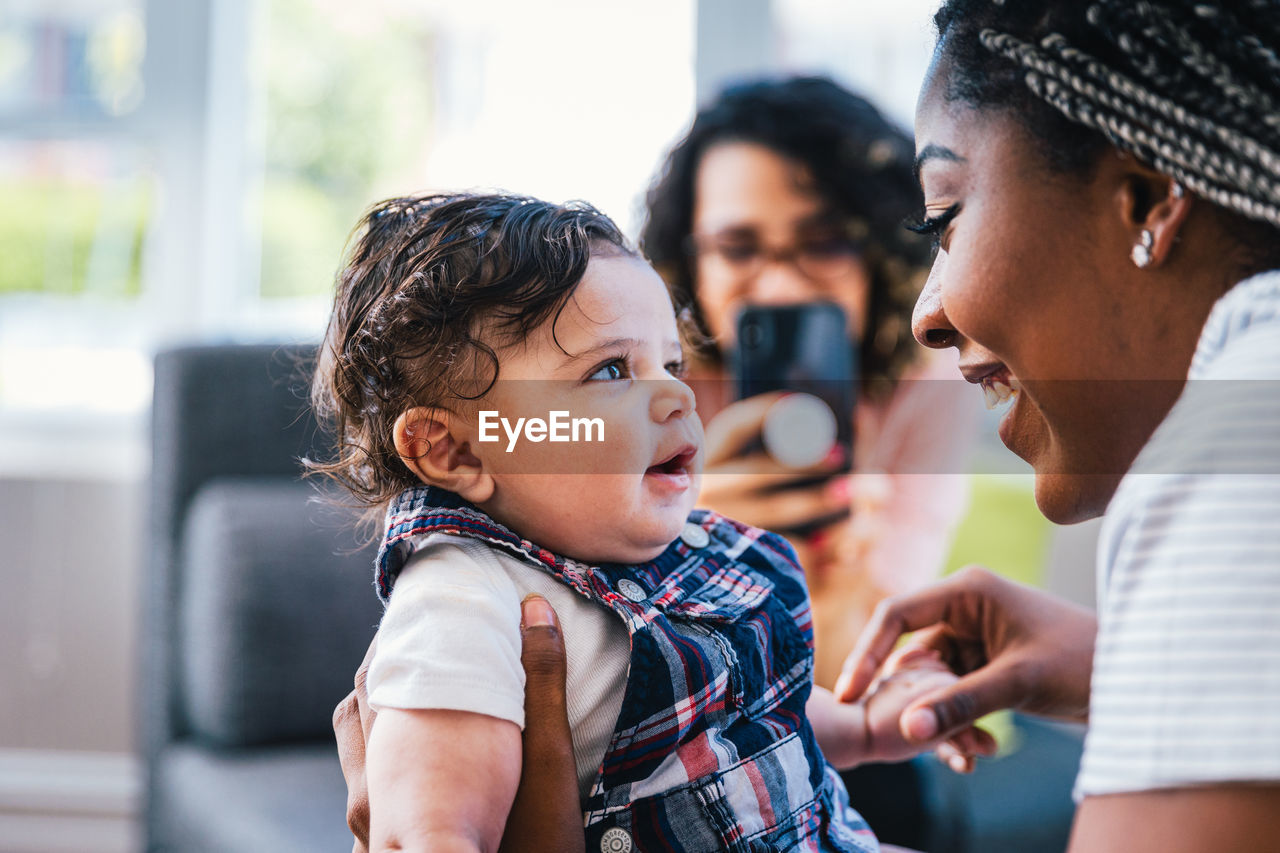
(432,444)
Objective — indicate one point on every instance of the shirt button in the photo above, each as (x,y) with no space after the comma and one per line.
(615,840)
(694,536)
(635,592)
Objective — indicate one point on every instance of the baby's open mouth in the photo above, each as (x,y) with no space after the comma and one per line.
(679,462)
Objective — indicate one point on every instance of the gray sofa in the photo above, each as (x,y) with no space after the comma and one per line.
(257,607)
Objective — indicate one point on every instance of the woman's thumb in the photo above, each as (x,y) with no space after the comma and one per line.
(957,706)
(542,650)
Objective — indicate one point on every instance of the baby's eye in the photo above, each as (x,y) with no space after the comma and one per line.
(678,369)
(616,369)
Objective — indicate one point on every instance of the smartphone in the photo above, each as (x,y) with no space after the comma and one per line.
(803,348)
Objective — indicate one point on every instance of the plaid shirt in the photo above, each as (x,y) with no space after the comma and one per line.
(712,750)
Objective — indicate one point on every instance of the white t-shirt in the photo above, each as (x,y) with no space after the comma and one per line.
(1186,676)
(450,639)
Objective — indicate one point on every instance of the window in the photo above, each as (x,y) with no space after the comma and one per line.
(880,50)
(78,198)
(191,170)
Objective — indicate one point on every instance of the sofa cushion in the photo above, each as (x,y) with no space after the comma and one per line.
(282,799)
(276,610)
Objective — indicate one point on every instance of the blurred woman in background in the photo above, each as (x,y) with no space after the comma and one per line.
(793,191)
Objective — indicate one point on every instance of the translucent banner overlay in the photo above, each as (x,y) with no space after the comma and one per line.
(922,427)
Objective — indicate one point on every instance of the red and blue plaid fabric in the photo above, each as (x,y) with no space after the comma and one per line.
(712,750)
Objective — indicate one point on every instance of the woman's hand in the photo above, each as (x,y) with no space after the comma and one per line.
(546,814)
(910,673)
(352,720)
(868,730)
(1012,646)
(749,486)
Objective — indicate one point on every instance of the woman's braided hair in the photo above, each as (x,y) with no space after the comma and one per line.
(1191,88)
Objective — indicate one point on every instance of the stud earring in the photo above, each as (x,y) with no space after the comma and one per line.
(1176,190)
(1141,254)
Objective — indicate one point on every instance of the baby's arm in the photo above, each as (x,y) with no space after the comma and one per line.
(869,729)
(441,780)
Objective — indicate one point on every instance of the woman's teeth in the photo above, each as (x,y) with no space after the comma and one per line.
(997,392)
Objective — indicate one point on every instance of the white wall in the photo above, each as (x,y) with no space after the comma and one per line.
(71,556)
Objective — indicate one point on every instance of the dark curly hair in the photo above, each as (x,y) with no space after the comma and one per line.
(861,166)
(431,284)
(1190,87)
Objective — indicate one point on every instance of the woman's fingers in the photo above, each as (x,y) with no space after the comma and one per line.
(957,706)
(367,714)
(778,511)
(898,615)
(961,751)
(349,734)
(975,741)
(954,758)
(758,491)
(737,427)
(757,472)
(742,482)
(352,722)
(1011,645)
(546,815)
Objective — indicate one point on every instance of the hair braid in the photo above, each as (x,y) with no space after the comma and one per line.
(1169,48)
(1207,112)
(1125,135)
(1264,21)
(1125,121)
(1183,85)
(1254,153)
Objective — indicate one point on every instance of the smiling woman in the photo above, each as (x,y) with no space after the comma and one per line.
(1035,213)
(1102,183)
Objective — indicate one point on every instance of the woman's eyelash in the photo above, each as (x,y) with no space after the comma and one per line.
(933,224)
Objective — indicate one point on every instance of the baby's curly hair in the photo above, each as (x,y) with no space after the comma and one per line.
(430,285)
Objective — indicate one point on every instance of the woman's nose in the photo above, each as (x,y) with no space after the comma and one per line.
(929,321)
(779,282)
(672,399)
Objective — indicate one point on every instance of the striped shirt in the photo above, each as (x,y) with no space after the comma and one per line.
(1186,676)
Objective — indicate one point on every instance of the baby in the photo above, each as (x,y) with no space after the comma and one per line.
(504,376)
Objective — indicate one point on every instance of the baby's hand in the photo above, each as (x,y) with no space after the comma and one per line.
(910,673)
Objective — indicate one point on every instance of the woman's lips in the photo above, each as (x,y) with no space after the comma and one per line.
(999,387)
(1005,429)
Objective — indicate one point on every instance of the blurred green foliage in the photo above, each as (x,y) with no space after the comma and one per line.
(347,103)
(303,230)
(49,228)
(347,99)
(1003,530)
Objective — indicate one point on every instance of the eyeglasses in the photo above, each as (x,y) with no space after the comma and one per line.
(819,258)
